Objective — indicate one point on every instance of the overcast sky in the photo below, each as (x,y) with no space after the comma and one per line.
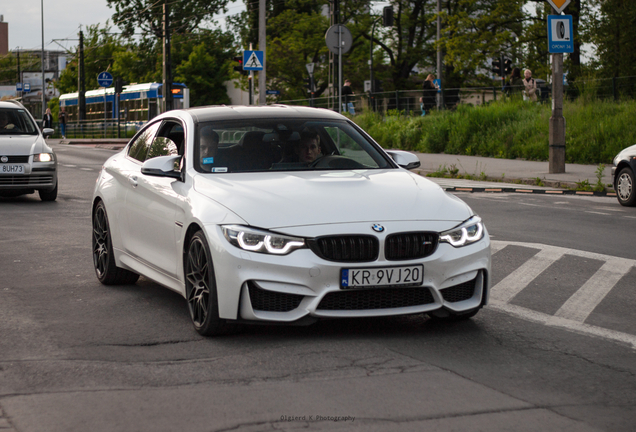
(62,20)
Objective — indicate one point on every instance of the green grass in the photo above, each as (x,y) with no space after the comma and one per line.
(595,130)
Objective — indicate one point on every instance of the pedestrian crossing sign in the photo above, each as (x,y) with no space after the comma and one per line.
(253,60)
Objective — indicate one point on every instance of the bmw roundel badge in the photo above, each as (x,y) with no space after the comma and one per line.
(377,228)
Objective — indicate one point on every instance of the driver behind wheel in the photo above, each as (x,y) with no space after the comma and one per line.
(308,149)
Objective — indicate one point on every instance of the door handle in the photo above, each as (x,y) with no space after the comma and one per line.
(133,180)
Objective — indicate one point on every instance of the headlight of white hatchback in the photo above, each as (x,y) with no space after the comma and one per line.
(260,241)
(43,157)
(467,233)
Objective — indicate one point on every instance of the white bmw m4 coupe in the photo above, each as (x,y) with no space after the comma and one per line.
(283,214)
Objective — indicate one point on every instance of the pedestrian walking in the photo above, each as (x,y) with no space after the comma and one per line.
(61,117)
(516,82)
(530,86)
(47,120)
(347,93)
(429,100)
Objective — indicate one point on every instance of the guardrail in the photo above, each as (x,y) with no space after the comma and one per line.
(98,129)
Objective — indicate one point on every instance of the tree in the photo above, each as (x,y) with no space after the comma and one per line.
(100,46)
(147,15)
(613,32)
(203,63)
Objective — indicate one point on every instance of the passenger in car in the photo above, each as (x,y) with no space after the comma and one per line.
(5,123)
(208,146)
(308,149)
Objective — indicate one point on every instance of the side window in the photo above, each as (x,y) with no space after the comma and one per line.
(174,131)
(139,148)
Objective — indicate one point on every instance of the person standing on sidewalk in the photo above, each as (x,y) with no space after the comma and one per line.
(47,120)
(516,82)
(61,117)
(530,86)
(429,100)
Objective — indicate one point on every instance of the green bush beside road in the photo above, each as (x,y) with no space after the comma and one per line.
(595,130)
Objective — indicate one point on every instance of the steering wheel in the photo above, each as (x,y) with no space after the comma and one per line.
(335,161)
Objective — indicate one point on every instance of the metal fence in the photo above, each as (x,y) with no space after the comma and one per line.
(98,129)
(408,101)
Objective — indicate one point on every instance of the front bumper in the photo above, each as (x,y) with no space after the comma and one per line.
(286,289)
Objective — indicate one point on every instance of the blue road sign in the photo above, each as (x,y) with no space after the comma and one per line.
(272,92)
(560,34)
(27,87)
(104,79)
(18,87)
(253,60)
(438,83)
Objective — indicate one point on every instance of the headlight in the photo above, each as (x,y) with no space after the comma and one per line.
(467,233)
(43,157)
(253,240)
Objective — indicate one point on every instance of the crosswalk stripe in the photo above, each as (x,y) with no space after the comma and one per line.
(581,304)
(496,247)
(519,279)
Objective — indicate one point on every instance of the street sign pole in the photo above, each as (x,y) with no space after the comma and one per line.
(339,69)
(556,138)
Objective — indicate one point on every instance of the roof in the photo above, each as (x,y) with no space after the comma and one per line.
(10,103)
(237,112)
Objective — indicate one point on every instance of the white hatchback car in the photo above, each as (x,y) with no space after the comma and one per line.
(284,215)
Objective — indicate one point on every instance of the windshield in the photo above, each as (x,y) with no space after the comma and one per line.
(284,145)
(16,122)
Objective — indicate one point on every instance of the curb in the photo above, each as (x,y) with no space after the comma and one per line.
(528,191)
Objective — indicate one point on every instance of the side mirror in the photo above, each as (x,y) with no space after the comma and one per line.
(162,166)
(404,159)
(47,132)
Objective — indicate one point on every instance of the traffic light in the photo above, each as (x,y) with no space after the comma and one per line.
(387,16)
(507,68)
(239,68)
(310,84)
(119,85)
(496,67)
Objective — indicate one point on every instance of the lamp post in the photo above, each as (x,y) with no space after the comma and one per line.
(43,95)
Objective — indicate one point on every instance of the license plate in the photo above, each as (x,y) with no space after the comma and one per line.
(382,276)
(11,169)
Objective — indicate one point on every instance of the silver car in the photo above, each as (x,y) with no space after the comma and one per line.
(27,163)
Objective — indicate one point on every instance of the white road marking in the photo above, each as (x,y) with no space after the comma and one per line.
(69,166)
(595,212)
(516,281)
(579,306)
(582,303)
(87,169)
(496,247)
(563,323)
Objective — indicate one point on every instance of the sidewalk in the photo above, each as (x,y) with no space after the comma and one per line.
(511,172)
(488,172)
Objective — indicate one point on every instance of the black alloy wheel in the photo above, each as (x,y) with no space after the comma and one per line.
(103,258)
(625,187)
(201,288)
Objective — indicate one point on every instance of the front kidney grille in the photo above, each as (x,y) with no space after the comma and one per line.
(272,301)
(413,245)
(376,298)
(461,292)
(351,248)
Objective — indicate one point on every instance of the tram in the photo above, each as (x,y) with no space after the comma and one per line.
(137,102)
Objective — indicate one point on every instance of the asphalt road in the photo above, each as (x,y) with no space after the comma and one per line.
(555,350)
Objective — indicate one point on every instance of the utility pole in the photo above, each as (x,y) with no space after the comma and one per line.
(440,100)
(262,42)
(167,76)
(557,122)
(43,82)
(81,81)
(19,74)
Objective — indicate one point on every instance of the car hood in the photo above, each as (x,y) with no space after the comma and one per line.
(285,199)
(13,145)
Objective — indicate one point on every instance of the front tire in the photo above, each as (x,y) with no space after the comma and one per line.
(48,195)
(103,258)
(201,288)
(625,187)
